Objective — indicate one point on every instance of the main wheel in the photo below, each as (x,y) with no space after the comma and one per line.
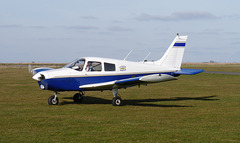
(51,100)
(117,101)
(77,98)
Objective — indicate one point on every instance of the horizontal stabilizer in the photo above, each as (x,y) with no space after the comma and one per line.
(189,71)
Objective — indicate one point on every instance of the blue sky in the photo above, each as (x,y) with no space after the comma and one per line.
(60,31)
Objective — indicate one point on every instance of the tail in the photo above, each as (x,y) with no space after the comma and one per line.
(174,55)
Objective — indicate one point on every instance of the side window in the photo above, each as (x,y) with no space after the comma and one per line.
(93,66)
(109,67)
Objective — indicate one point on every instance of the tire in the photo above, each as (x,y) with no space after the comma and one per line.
(51,100)
(77,98)
(117,101)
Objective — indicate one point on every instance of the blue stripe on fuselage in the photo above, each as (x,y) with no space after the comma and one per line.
(179,44)
(73,83)
(41,69)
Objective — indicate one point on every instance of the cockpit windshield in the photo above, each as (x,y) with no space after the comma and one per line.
(76,64)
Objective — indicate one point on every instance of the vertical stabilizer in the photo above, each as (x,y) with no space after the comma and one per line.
(174,55)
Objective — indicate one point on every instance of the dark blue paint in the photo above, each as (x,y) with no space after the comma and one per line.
(189,71)
(73,83)
(42,69)
(179,44)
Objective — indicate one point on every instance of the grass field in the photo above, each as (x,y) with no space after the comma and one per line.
(199,108)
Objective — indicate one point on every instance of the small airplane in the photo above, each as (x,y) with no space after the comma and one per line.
(98,74)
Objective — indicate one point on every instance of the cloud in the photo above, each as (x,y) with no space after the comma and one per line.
(235,43)
(120,29)
(190,15)
(56,39)
(84,28)
(10,26)
(38,27)
(233,16)
(21,26)
(88,17)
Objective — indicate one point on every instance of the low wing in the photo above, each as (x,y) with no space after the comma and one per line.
(109,85)
(124,83)
(129,82)
(98,85)
(189,71)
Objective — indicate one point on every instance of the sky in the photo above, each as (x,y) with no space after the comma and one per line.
(59,31)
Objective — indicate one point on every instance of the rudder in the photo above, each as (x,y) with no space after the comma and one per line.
(174,55)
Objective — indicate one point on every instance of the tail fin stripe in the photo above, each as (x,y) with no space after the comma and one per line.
(180,44)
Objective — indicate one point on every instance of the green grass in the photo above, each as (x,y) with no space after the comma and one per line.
(199,108)
(215,67)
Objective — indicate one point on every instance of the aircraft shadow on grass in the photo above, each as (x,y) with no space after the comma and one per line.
(140,102)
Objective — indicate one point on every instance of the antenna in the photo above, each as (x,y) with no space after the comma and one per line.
(146,56)
(127,55)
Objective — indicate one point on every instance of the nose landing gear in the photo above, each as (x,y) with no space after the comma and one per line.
(53,100)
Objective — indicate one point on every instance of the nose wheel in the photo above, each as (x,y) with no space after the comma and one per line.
(53,100)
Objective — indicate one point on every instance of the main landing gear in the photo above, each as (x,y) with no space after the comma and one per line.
(116,101)
(78,97)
